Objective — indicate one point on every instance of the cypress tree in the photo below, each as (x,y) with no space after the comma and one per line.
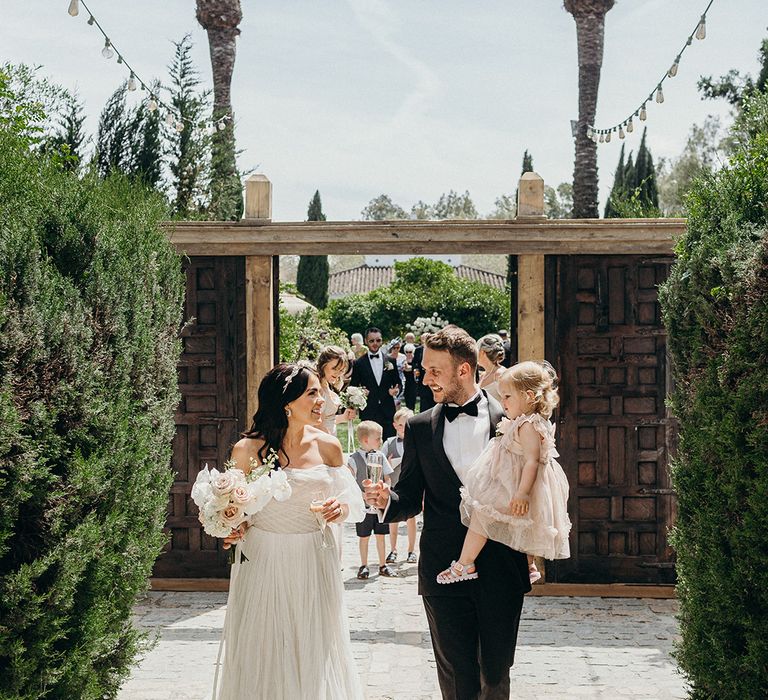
(618,190)
(646,176)
(512,261)
(312,274)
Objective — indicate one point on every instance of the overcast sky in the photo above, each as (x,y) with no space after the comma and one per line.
(406,97)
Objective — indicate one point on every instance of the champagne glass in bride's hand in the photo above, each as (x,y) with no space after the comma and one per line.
(316,505)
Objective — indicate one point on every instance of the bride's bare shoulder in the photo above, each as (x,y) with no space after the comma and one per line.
(245,449)
(330,448)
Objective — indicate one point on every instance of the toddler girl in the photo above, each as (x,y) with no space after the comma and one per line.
(515,492)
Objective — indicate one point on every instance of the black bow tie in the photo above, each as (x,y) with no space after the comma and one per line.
(374,357)
(451,412)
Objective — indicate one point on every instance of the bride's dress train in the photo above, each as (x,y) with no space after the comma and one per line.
(286,635)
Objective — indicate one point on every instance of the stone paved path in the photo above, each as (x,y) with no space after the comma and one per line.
(568,647)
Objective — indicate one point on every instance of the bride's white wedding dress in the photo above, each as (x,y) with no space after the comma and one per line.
(286,635)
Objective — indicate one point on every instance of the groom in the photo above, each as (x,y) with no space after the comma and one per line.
(473,624)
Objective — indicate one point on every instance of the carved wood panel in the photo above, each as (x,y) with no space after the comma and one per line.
(614,431)
(212,409)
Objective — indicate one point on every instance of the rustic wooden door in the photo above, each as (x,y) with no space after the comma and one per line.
(614,432)
(212,409)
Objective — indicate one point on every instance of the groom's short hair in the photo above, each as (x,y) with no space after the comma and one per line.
(370,330)
(459,344)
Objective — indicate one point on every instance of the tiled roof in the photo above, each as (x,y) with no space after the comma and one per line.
(366,278)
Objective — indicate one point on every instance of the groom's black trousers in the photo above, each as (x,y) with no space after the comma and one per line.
(474,642)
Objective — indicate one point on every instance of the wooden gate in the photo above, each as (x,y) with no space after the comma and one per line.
(613,427)
(212,407)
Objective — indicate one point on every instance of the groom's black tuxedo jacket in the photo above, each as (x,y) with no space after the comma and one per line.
(427,475)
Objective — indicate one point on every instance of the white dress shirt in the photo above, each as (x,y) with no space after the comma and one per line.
(465,437)
(377,365)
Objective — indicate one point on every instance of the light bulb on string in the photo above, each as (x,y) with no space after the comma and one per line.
(179,127)
(74,8)
(151,104)
(602,137)
(107,51)
(630,127)
(701,30)
(672,72)
(659,94)
(132,82)
(91,20)
(169,119)
(621,132)
(608,136)
(643,113)
(222,126)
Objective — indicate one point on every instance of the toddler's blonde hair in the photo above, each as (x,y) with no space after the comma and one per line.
(367,428)
(402,413)
(537,377)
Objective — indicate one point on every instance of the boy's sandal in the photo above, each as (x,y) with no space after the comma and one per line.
(533,574)
(362,572)
(458,572)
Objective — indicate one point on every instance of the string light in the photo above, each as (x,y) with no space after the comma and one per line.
(657,94)
(172,117)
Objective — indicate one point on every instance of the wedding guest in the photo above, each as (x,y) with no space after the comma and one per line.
(397,358)
(332,365)
(411,387)
(490,356)
(358,348)
(507,348)
(393,449)
(369,439)
(378,374)
(410,338)
(426,399)
(518,476)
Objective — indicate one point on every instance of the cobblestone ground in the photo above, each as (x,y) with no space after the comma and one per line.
(567,648)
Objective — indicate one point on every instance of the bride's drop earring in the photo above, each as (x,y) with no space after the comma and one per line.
(287,412)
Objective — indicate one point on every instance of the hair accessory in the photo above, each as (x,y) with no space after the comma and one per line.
(290,377)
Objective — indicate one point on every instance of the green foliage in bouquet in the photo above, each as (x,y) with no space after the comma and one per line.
(90,307)
(423,287)
(715,306)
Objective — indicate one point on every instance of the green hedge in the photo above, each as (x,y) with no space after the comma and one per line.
(716,310)
(423,287)
(90,306)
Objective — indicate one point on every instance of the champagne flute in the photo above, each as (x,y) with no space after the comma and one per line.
(374,464)
(316,505)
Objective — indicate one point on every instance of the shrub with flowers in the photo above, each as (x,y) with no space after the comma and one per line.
(427,324)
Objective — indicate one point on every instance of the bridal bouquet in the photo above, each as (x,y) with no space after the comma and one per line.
(354,397)
(227,499)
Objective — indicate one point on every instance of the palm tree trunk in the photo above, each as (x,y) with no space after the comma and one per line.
(220,19)
(590,24)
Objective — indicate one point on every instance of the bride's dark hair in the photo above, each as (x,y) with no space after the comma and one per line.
(281,385)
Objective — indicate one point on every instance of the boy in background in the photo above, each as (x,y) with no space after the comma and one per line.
(369,438)
(393,449)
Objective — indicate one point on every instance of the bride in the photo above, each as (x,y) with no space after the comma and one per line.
(286,635)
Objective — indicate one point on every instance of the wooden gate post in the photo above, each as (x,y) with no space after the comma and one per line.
(259,294)
(530,275)
(530,287)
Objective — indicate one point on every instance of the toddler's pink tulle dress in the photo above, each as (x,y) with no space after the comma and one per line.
(491,483)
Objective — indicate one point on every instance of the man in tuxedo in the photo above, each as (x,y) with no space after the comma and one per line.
(507,348)
(426,400)
(473,623)
(377,373)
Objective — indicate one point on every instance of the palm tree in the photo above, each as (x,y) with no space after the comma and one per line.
(220,19)
(590,24)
